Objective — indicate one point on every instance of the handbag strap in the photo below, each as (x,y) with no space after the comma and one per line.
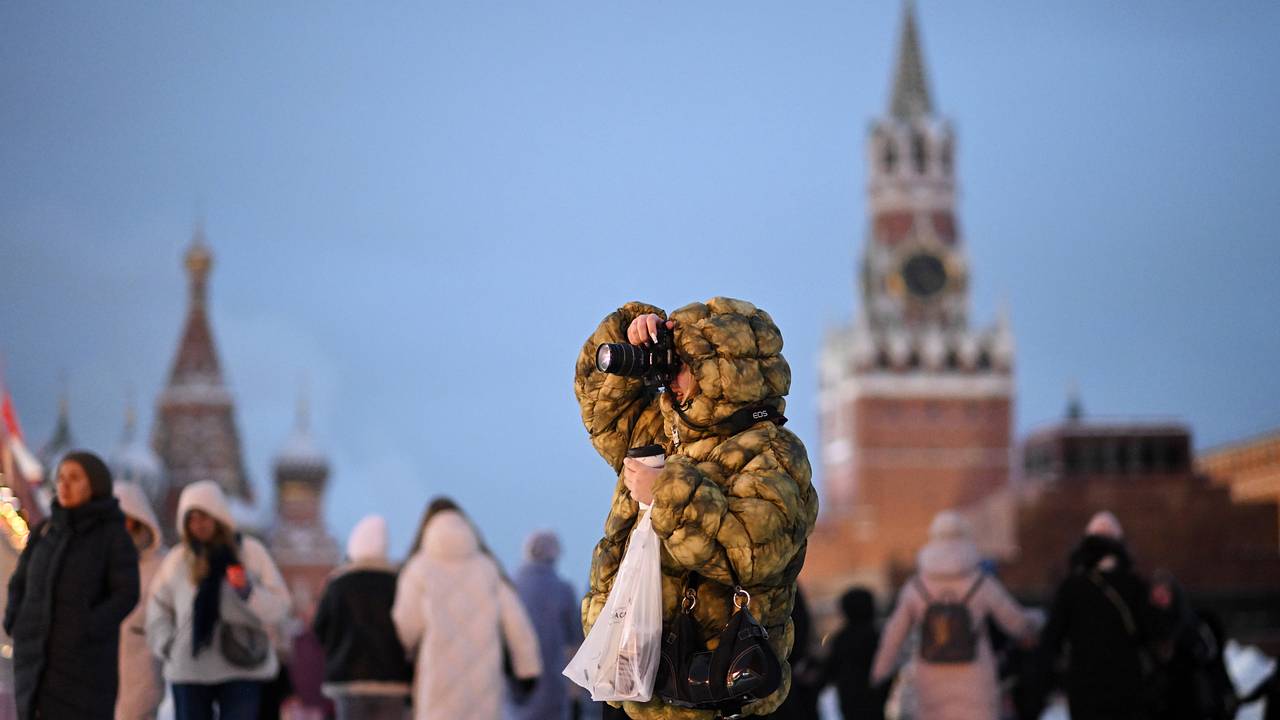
(692,580)
(1126,615)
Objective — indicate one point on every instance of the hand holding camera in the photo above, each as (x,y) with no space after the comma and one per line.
(644,329)
(650,354)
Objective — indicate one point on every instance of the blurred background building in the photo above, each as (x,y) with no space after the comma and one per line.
(916,417)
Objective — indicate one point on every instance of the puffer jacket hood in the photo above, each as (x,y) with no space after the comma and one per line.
(951,551)
(734,351)
(449,536)
(205,495)
(134,504)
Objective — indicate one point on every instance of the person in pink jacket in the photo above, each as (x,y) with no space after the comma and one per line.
(141,682)
(948,572)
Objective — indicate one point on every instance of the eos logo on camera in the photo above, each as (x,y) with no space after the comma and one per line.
(759,414)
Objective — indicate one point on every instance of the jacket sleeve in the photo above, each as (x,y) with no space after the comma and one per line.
(1009,615)
(895,634)
(617,411)
(517,632)
(122,583)
(18,581)
(1054,633)
(571,619)
(406,611)
(756,519)
(161,614)
(324,611)
(269,600)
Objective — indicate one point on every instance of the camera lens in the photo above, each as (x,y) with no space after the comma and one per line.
(620,359)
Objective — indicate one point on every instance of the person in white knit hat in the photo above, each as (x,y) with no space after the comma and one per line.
(950,599)
(366,672)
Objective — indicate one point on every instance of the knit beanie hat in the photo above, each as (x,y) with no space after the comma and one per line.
(368,540)
(97,471)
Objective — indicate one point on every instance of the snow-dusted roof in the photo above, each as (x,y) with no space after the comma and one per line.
(300,450)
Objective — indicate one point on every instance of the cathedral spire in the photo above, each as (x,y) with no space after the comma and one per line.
(197,360)
(195,433)
(199,262)
(910,95)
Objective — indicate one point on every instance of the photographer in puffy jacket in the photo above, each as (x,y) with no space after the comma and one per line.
(735,495)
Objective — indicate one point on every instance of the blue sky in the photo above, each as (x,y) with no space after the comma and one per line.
(423,209)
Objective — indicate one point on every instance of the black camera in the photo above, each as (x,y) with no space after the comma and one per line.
(655,362)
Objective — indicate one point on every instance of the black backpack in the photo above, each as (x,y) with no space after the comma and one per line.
(948,634)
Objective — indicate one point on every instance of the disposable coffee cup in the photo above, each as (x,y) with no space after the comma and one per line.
(652,455)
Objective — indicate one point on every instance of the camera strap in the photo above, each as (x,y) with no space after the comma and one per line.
(737,422)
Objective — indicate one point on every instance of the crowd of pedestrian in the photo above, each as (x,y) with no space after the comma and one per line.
(107,623)
(1114,643)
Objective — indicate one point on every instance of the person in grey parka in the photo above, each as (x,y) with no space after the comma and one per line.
(554,611)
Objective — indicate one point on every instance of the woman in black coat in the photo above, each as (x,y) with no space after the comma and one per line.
(76,581)
(853,651)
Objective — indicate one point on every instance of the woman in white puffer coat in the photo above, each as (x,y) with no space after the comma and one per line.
(455,613)
(948,570)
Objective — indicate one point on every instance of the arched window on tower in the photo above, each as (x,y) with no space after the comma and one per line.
(919,156)
(888,155)
(944,157)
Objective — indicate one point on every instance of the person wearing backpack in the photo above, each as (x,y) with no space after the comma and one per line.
(950,600)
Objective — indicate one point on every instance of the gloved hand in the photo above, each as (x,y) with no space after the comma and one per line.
(239,580)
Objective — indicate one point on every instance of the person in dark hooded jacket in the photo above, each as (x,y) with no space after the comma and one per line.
(76,581)
(853,650)
(1197,685)
(1101,618)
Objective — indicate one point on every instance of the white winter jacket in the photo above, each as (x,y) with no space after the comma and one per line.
(454,611)
(141,685)
(169,610)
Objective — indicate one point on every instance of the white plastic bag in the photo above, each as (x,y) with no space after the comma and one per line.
(618,660)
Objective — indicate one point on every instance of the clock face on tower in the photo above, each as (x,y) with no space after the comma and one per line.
(924,274)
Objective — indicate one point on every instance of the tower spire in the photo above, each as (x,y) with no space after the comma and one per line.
(910,94)
(199,262)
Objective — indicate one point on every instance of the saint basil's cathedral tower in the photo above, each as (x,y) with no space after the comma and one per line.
(195,430)
(196,438)
(916,405)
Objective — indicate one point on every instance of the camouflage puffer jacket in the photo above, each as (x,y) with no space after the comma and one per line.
(743,499)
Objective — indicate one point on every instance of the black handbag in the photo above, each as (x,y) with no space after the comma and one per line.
(742,669)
